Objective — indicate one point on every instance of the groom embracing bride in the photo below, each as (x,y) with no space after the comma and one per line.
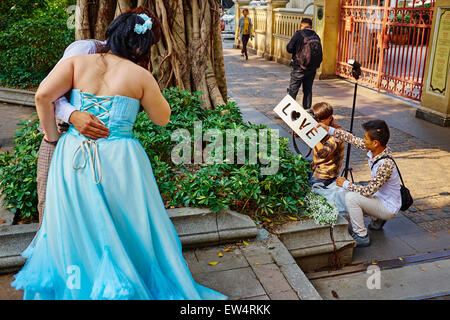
(103,215)
(86,123)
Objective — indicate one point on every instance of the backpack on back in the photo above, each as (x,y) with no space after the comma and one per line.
(310,56)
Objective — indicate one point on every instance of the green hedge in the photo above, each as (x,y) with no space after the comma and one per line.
(13,11)
(32,45)
(219,186)
(18,171)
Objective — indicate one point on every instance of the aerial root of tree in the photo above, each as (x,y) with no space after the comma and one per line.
(189,54)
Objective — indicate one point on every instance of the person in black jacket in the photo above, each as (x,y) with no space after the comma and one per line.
(304,46)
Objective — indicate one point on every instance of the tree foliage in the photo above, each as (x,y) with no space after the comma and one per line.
(32,40)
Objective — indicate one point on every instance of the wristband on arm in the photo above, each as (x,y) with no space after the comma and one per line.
(51,142)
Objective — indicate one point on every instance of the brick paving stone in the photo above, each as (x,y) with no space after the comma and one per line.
(436,225)
(444,214)
(416,219)
(272,279)
(235,283)
(6,291)
(230,260)
(284,295)
(256,255)
(263,297)
(10,115)
(439,213)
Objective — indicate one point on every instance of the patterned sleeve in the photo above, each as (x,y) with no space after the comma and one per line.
(349,138)
(384,172)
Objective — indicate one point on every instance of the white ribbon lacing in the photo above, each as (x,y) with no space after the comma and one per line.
(89,147)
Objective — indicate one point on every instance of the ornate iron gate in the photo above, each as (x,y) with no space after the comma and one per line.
(390,38)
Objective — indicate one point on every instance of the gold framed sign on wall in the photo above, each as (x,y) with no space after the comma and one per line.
(440,54)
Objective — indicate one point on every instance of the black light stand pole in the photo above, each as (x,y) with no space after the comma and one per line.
(356,73)
(347,169)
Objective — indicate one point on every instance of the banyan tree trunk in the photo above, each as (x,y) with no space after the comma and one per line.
(189,54)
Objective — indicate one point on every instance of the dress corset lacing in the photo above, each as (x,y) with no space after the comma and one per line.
(89,147)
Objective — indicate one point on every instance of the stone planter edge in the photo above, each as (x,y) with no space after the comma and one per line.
(17,96)
(307,240)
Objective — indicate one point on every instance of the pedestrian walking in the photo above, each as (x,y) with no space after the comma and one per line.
(306,51)
(245,30)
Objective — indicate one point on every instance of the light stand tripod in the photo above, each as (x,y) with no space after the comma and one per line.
(356,73)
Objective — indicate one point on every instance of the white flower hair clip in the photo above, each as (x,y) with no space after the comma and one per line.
(147,25)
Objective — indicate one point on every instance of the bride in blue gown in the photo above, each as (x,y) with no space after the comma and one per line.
(106,233)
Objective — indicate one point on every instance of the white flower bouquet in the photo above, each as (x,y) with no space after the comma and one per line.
(320,210)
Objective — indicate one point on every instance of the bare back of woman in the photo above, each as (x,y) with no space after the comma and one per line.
(109,75)
(103,75)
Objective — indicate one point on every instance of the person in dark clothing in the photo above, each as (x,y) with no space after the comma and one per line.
(245,31)
(306,53)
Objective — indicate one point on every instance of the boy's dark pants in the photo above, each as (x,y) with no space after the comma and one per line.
(302,77)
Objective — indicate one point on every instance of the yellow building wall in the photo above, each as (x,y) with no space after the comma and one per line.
(435,107)
(326,26)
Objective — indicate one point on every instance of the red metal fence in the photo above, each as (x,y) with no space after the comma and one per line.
(390,38)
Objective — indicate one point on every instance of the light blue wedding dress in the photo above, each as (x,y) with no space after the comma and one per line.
(105,233)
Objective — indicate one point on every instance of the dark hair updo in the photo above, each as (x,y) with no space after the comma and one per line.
(123,41)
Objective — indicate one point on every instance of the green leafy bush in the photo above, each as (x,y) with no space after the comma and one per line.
(18,171)
(32,45)
(13,11)
(16,10)
(220,186)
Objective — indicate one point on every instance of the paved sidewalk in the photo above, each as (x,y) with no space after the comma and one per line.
(422,150)
(6,291)
(425,280)
(9,117)
(254,270)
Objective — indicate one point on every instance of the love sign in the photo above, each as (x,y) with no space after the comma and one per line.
(300,121)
